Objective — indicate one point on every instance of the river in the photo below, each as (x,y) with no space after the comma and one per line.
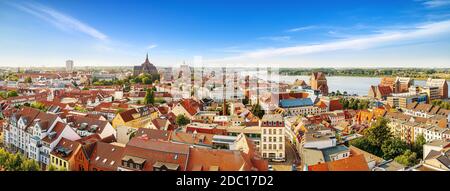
(350,84)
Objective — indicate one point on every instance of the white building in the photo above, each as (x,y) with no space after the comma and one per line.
(35,133)
(272,136)
(69,65)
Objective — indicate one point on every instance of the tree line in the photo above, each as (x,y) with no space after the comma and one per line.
(379,141)
(353,103)
(18,162)
(372,72)
(441,103)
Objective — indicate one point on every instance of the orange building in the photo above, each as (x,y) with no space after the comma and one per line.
(318,81)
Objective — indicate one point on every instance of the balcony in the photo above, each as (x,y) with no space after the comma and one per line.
(44,154)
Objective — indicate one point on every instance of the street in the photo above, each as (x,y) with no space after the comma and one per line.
(292,157)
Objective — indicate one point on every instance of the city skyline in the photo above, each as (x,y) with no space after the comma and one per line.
(413,33)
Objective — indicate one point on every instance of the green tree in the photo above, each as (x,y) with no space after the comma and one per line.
(120,110)
(364,144)
(245,101)
(257,110)
(149,97)
(408,158)
(14,162)
(146,80)
(4,156)
(28,80)
(393,147)
(160,100)
(80,109)
(417,146)
(52,167)
(378,132)
(38,105)
(182,120)
(29,165)
(12,93)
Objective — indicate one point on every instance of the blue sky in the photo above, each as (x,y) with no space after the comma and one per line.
(319,33)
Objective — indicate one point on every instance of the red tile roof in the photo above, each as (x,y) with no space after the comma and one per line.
(222,160)
(335,105)
(191,106)
(58,129)
(353,163)
(153,151)
(71,146)
(112,154)
(153,134)
(162,146)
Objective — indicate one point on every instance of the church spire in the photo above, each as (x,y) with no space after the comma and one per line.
(146,58)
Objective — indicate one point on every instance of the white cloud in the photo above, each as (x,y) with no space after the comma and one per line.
(356,43)
(436,3)
(152,46)
(276,38)
(298,29)
(60,20)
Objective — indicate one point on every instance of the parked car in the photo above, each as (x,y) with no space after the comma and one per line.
(279,160)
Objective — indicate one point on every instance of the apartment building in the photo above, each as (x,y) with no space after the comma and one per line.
(272,137)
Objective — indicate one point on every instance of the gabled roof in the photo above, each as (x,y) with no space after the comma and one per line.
(107,156)
(191,106)
(153,134)
(161,146)
(66,148)
(217,160)
(154,152)
(353,163)
(141,111)
(78,121)
(55,133)
(160,123)
(384,90)
(192,138)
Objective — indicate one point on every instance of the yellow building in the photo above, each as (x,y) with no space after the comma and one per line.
(63,156)
(135,118)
